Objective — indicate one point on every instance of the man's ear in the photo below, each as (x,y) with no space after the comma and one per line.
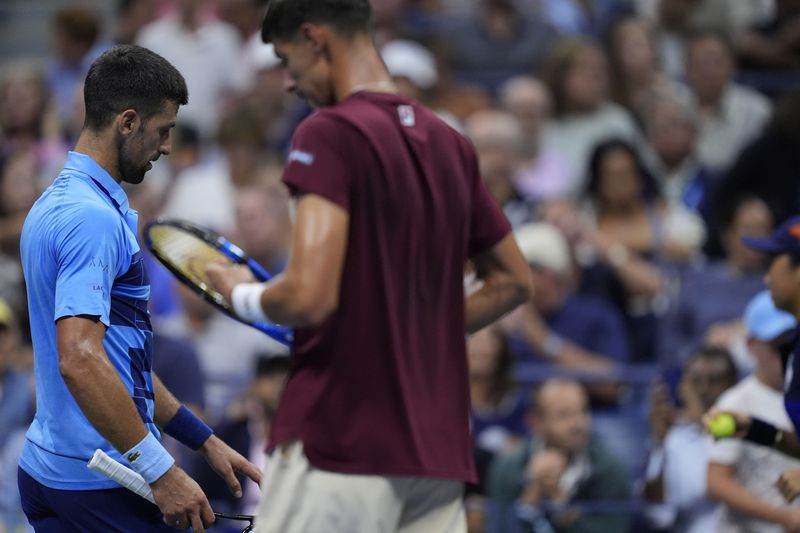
(127,122)
(316,35)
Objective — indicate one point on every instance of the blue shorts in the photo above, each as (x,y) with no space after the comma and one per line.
(87,511)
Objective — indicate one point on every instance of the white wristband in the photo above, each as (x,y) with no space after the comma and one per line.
(246,301)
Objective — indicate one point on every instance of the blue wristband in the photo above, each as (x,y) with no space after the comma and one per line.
(149,458)
(185,427)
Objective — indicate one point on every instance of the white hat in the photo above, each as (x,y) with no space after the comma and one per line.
(543,245)
(407,59)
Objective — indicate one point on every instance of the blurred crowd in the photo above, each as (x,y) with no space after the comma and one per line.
(631,144)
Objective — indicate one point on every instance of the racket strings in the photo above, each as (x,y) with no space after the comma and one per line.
(186,252)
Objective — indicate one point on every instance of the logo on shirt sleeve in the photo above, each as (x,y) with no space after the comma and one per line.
(306,158)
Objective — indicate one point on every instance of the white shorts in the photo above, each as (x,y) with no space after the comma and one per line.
(298,498)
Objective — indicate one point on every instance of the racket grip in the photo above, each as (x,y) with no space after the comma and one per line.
(104,464)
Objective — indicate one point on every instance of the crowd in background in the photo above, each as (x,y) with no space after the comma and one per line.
(631,144)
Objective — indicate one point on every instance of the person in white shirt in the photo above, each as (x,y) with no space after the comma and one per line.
(730,115)
(742,475)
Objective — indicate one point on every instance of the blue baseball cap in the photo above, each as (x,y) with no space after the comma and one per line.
(785,239)
(764,321)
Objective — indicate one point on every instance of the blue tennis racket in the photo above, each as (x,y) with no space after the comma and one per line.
(186,249)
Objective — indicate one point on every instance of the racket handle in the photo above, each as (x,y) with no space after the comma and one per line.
(104,464)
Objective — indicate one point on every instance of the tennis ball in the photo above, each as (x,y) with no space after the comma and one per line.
(722,426)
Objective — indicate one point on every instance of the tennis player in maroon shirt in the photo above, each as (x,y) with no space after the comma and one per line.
(372,433)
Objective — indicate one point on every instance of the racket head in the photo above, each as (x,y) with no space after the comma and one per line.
(186,249)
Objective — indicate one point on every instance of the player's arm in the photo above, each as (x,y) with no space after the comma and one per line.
(94,382)
(307,291)
(724,487)
(97,388)
(505,283)
(179,422)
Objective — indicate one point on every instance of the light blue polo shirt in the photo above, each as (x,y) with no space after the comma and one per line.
(80,256)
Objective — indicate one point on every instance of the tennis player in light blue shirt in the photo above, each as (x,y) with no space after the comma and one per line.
(92,340)
(80,253)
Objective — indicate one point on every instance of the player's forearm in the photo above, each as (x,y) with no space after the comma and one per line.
(99,392)
(499,294)
(724,487)
(290,302)
(165,404)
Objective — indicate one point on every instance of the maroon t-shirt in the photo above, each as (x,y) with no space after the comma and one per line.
(381,386)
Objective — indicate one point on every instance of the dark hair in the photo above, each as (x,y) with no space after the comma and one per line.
(711,353)
(284,17)
(601,150)
(557,65)
(130,77)
(710,32)
(78,23)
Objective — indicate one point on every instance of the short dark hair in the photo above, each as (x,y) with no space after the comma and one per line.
(130,77)
(284,17)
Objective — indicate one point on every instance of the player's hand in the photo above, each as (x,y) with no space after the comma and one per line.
(789,484)
(227,463)
(225,277)
(181,501)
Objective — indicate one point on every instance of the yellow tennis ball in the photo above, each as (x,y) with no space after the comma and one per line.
(722,426)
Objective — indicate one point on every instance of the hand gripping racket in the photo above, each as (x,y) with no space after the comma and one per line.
(186,249)
(104,464)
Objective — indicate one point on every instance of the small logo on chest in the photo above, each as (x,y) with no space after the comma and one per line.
(407,116)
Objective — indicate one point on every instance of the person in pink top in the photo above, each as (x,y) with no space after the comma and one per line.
(372,433)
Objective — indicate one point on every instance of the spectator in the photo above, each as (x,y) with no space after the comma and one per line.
(497,137)
(227,349)
(577,18)
(28,121)
(560,463)
(543,173)
(132,16)
(577,74)
(636,73)
(77,44)
(567,333)
(263,227)
(412,67)
(715,292)
(205,52)
(16,411)
(671,132)
(497,41)
(246,430)
(768,167)
(16,380)
(626,210)
(205,194)
(676,470)
(731,116)
(498,405)
(742,475)
(774,43)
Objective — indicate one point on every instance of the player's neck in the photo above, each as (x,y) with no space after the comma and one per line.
(358,67)
(91,144)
